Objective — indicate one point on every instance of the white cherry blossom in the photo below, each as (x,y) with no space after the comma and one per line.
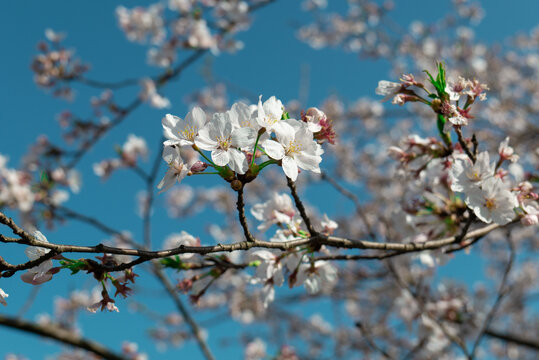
(270,113)
(296,148)
(225,141)
(3,297)
(175,240)
(493,201)
(183,131)
(39,274)
(315,276)
(177,169)
(465,175)
(279,209)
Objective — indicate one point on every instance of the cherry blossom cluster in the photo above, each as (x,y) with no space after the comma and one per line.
(487,189)
(187,24)
(56,66)
(236,137)
(130,153)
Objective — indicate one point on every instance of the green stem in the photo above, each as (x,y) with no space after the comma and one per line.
(445,136)
(266,163)
(254,151)
(205,157)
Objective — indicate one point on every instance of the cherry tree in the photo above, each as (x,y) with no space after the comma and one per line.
(438,168)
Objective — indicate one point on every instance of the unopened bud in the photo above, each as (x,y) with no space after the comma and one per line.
(236,185)
(198,166)
(436,105)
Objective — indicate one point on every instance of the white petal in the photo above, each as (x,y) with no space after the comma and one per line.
(244,137)
(196,117)
(168,180)
(204,139)
(220,157)
(238,161)
(308,162)
(171,154)
(273,149)
(290,168)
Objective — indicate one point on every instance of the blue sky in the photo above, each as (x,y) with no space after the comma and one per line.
(270,64)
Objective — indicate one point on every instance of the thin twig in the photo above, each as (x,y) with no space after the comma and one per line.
(370,341)
(350,195)
(502,291)
(241,215)
(421,305)
(299,205)
(463,144)
(184,312)
(515,339)
(150,193)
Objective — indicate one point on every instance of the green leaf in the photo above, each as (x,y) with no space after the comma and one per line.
(285,115)
(74,265)
(255,263)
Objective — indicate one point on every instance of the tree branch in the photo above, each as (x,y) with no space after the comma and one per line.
(61,335)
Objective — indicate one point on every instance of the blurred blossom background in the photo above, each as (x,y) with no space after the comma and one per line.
(328,54)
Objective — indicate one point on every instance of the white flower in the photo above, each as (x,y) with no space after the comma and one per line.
(3,297)
(255,350)
(464,175)
(39,274)
(149,93)
(312,118)
(183,132)
(177,169)
(174,241)
(270,113)
(295,147)
(54,36)
(200,36)
(243,115)
(224,141)
(387,88)
(134,147)
(455,88)
(493,202)
(506,152)
(269,268)
(279,209)
(328,225)
(316,276)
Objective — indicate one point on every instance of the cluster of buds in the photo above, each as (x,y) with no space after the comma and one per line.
(56,66)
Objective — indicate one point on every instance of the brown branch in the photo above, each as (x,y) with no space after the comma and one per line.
(421,305)
(463,144)
(502,290)
(195,329)
(299,205)
(145,255)
(370,341)
(515,339)
(150,193)
(241,215)
(61,335)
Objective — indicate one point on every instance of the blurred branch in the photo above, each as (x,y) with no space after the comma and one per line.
(61,335)
(350,195)
(502,291)
(195,329)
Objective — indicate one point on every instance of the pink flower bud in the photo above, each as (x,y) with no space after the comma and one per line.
(198,166)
